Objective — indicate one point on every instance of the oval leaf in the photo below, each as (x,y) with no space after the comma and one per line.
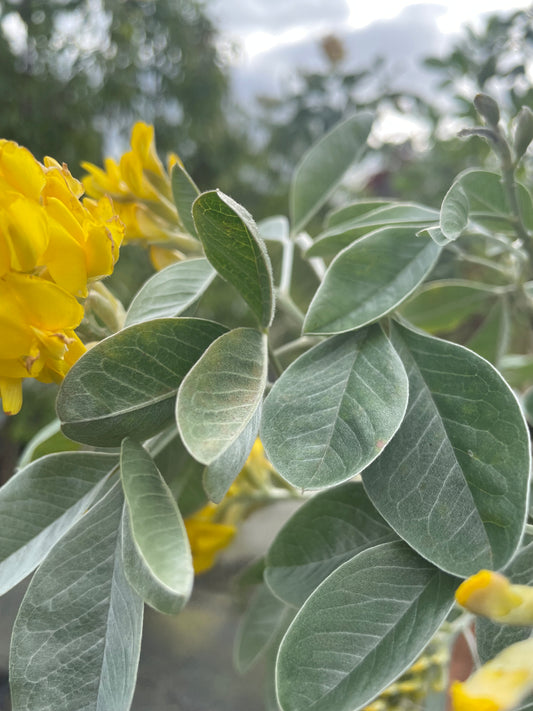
(453,482)
(220,474)
(221,394)
(342,234)
(171,291)
(441,306)
(361,629)
(184,192)
(275,228)
(48,440)
(41,502)
(334,409)
(325,532)
(454,212)
(479,195)
(354,210)
(157,555)
(233,246)
(77,637)
(370,278)
(323,167)
(258,628)
(126,385)
(491,338)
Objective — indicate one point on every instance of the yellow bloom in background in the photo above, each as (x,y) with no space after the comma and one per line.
(427,675)
(141,190)
(52,245)
(491,595)
(213,528)
(499,685)
(207,537)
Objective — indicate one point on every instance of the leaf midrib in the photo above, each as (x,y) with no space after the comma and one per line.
(375,290)
(118,413)
(460,468)
(379,643)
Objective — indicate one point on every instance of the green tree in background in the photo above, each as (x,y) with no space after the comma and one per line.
(495,59)
(71,72)
(76,74)
(75,71)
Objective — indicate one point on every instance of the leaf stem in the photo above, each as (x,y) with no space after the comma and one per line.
(290,308)
(464,256)
(301,342)
(509,185)
(286,267)
(274,361)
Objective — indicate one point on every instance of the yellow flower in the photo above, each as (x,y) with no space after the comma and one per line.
(37,321)
(141,190)
(207,537)
(51,246)
(491,595)
(162,257)
(46,230)
(499,685)
(213,528)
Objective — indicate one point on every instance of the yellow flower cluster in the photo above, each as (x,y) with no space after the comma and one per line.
(506,680)
(212,528)
(51,245)
(142,194)
(207,537)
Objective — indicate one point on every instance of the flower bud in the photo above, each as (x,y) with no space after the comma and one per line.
(491,595)
(487,108)
(523,131)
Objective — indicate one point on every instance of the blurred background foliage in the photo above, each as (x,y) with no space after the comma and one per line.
(76,74)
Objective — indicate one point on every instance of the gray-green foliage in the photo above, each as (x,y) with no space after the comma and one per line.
(355,380)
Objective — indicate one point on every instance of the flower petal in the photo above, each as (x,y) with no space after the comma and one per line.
(11,393)
(491,594)
(20,169)
(499,685)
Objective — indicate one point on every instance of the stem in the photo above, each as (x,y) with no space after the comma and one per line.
(286,267)
(470,640)
(509,185)
(301,342)
(253,501)
(155,445)
(466,257)
(304,241)
(274,361)
(105,306)
(286,303)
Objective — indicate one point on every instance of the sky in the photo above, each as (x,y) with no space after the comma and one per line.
(266,40)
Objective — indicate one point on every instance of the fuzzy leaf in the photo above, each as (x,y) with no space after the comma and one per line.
(126,385)
(370,278)
(233,246)
(453,482)
(221,394)
(76,640)
(334,409)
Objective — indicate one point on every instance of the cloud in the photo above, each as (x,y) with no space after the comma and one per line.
(402,41)
(246,16)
